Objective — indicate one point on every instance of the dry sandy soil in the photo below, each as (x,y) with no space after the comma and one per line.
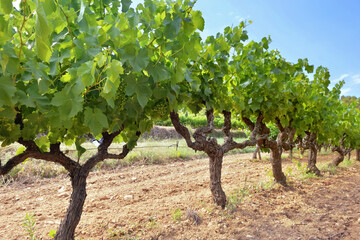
(143,202)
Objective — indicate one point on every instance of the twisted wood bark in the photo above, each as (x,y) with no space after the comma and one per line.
(257,152)
(310,142)
(311,166)
(215,166)
(342,152)
(210,146)
(78,174)
(275,150)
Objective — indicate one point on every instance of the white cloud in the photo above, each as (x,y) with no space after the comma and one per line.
(345,91)
(356,78)
(342,77)
(239,18)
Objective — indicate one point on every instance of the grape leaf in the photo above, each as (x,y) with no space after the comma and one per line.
(96,120)
(4,30)
(42,34)
(198,20)
(125,5)
(140,87)
(68,103)
(158,72)
(172,26)
(82,10)
(7,91)
(6,6)
(86,71)
(138,60)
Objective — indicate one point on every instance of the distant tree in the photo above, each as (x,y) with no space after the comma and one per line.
(351,99)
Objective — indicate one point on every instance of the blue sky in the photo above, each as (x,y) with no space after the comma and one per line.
(327,32)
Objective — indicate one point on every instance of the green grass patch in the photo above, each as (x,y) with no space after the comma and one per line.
(326,167)
(347,162)
(176,215)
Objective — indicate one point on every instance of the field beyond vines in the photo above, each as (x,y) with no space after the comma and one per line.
(160,202)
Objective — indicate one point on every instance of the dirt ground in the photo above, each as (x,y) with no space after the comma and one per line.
(144,202)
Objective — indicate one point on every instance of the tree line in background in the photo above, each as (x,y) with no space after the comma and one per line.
(350,100)
(73,67)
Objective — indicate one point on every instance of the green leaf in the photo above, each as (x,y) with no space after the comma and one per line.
(125,5)
(86,72)
(43,143)
(115,70)
(180,72)
(140,87)
(133,18)
(82,10)
(127,37)
(4,30)
(138,60)
(265,42)
(7,91)
(198,20)
(52,233)
(22,98)
(160,92)
(10,65)
(130,81)
(145,125)
(158,72)
(80,150)
(172,26)
(42,34)
(68,103)
(309,68)
(143,91)
(20,150)
(66,77)
(96,120)
(6,6)
(42,101)
(193,47)
(189,28)
(101,59)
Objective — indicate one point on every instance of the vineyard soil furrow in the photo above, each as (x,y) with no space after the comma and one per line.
(140,201)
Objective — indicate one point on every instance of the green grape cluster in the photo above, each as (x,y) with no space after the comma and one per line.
(160,110)
(121,99)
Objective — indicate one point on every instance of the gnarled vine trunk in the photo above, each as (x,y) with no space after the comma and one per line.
(339,158)
(342,152)
(302,151)
(310,142)
(256,152)
(275,147)
(68,225)
(326,146)
(291,153)
(215,166)
(275,158)
(311,166)
(215,151)
(357,154)
(78,174)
